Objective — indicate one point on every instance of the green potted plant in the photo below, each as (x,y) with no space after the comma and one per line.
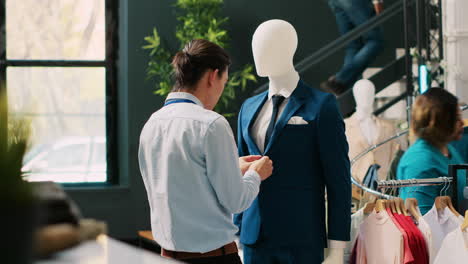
(199,19)
(16,199)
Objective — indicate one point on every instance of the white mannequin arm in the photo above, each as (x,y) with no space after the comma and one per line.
(335,252)
(337,244)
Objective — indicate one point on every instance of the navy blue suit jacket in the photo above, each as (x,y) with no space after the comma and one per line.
(307,159)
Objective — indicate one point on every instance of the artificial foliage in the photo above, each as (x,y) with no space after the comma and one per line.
(14,135)
(198,19)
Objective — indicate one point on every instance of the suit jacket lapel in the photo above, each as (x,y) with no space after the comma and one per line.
(251,113)
(297,99)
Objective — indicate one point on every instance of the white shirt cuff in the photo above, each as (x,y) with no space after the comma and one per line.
(337,244)
(253,174)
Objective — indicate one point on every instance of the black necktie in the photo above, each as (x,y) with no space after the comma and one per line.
(277,100)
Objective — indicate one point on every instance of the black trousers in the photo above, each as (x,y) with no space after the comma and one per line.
(226,259)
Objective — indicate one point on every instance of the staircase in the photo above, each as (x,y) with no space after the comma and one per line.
(389,74)
(418,21)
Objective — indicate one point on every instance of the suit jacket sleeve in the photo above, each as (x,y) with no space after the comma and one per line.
(333,149)
(242,149)
(241,145)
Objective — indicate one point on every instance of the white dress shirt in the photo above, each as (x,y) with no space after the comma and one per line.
(441,223)
(260,125)
(425,229)
(190,167)
(454,248)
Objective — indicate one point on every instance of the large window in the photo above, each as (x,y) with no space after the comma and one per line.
(59,69)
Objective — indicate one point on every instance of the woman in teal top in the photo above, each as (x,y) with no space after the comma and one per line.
(436,121)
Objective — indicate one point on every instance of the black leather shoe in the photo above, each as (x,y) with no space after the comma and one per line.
(333,86)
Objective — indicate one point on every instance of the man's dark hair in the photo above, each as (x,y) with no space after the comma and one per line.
(195,59)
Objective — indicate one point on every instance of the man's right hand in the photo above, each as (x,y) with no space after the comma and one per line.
(263,166)
(246,161)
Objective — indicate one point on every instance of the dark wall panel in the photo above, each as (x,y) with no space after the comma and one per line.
(125,207)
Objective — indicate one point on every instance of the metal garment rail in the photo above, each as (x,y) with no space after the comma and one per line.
(362,154)
(414,182)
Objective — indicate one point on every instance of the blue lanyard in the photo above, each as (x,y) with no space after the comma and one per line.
(176,101)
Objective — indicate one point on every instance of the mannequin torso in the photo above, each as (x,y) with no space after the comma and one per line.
(364,130)
(274,44)
(368,126)
(364,95)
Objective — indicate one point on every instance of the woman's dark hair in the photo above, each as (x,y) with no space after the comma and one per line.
(195,59)
(434,116)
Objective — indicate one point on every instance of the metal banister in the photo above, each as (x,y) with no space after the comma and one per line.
(341,42)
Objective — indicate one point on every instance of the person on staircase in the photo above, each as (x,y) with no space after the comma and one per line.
(359,53)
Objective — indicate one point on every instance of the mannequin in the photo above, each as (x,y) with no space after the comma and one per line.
(363,130)
(282,75)
(364,95)
(274,45)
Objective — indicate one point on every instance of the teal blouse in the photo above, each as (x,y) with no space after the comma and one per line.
(422,161)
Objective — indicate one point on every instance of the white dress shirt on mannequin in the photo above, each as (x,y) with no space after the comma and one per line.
(285,88)
(368,126)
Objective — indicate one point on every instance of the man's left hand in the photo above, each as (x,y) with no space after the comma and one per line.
(246,161)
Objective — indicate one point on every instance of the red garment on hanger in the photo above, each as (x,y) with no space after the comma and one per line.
(408,254)
(422,244)
(352,259)
(417,243)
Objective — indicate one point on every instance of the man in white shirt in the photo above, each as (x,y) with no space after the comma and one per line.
(188,159)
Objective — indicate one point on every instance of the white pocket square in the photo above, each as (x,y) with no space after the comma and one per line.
(297,120)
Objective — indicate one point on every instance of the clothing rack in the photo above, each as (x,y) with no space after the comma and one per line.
(414,182)
(362,154)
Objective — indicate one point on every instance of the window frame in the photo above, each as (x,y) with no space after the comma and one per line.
(110,66)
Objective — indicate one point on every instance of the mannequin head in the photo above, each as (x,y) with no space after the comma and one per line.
(364,95)
(274,44)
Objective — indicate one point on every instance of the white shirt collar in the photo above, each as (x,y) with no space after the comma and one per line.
(184,95)
(442,216)
(285,92)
